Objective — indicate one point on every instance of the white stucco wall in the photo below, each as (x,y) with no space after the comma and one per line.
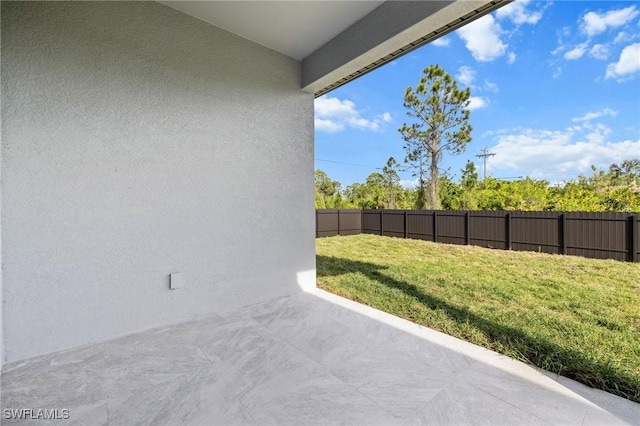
(136,142)
(1,298)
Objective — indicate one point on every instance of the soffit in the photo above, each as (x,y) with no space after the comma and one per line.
(294,28)
(338,41)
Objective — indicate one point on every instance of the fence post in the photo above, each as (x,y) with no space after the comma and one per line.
(508,231)
(339,222)
(435,226)
(405,224)
(633,237)
(316,223)
(563,233)
(467,237)
(381,222)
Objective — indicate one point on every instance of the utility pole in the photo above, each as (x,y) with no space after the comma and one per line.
(485,154)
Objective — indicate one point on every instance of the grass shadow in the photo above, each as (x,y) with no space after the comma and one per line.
(531,349)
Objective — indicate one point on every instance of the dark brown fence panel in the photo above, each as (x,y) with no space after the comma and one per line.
(451,227)
(634,240)
(371,222)
(350,222)
(393,223)
(326,223)
(420,225)
(598,235)
(338,222)
(535,231)
(594,235)
(488,229)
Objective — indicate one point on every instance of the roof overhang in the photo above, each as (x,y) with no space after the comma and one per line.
(338,41)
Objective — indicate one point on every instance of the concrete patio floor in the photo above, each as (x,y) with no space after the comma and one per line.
(311,358)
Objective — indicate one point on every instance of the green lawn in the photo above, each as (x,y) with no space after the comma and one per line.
(569,315)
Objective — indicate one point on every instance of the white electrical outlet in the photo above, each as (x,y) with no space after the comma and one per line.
(176,281)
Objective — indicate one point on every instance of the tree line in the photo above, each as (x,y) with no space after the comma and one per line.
(615,189)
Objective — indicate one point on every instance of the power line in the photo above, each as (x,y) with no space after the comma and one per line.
(509,177)
(485,154)
(341,162)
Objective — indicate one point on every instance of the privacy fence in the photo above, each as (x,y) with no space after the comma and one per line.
(594,235)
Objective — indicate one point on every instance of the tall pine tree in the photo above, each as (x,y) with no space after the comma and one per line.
(441,123)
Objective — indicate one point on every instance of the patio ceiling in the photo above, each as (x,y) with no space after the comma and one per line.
(338,41)
(295,28)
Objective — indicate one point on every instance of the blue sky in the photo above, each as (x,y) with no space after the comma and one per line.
(555,88)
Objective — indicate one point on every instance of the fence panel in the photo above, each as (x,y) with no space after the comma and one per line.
(536,231)
(371,222)
(420,225)
(451,227)
(393,223)
(634,240)
(488,229)
(596,235)
(338,222)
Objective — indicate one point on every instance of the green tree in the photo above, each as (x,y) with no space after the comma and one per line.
(441,115)
(631,169)
(392,183)
(376,191)
(617,189)
(575,195)
(354,195)
(450,194)
(527,195)
(469,183)
(327,192)
(370,195)
(491,194)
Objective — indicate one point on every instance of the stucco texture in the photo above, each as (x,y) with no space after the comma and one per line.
(137,142)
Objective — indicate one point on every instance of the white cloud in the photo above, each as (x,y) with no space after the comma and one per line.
(331,107)
(441,42)
(327,126)
(561,47)
(599,134)
(334,115)
(594,23)
(577,52)
(599,51)
(622,37)
(491,86)
(511,58)
(410,184)
(517,12)
(627,65)
(482,39)
(596,114)
(476,102)
(466,75)
(557,73)
(561,36)
(548,154)
(563,33)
